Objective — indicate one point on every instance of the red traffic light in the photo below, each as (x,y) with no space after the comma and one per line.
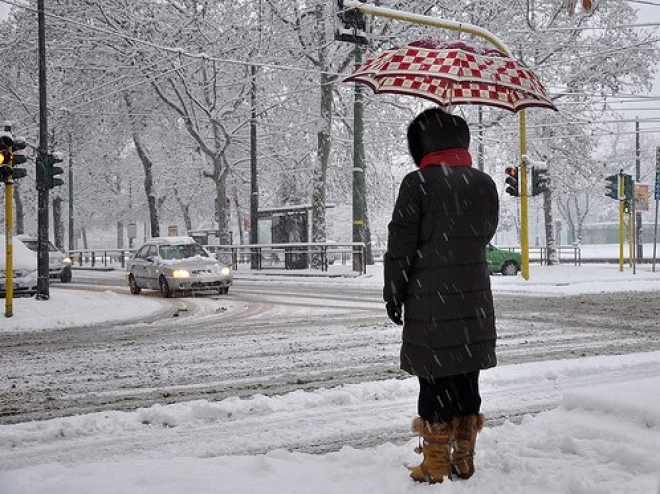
(512,181)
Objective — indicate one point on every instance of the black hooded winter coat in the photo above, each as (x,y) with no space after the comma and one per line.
(436,267)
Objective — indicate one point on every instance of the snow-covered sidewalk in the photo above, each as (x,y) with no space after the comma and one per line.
(603,438)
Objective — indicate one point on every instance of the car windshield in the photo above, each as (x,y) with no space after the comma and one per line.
(34,245)
(183,251)
(30,244)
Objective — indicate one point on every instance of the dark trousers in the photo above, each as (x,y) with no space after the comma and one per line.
(443,398)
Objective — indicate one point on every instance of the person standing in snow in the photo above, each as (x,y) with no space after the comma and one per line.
(436,277)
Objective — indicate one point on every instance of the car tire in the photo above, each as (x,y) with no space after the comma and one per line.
(132,284)
(165,289)
(510,268)
(65,277)
(224,290)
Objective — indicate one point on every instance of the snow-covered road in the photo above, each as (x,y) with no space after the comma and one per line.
(281,336)
(275,339)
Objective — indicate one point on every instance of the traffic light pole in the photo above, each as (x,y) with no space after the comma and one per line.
(43,292)
(9,256)
(461,27)
(71,236)
(639,237)
(353,29)
(359,257)
(9,171)
(254,183)
(622,229)
(524,229)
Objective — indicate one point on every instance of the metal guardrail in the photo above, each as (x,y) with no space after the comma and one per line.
(106,258)
(291,256)
(565,253)
(301,255)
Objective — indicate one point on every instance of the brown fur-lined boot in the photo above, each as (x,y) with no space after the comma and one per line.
(467,427)
(435,442)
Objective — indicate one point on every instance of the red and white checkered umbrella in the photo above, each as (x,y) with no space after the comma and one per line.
(453,74)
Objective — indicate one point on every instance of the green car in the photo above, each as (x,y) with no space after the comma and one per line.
(503,261)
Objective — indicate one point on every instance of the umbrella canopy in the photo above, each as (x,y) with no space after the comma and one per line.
(453,74)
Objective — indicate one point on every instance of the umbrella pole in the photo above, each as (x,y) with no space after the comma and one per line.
(490,37)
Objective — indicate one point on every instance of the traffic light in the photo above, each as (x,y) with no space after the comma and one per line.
(353,25)
(587,6)
(6,138)
(5,173)
(512,181)
(17,173)
(539,180)
(9,160)
(627,187)
(18,159)
(627,206)
(612,186)
(53,172)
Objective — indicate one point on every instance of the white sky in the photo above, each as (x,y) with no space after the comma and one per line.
(649,12)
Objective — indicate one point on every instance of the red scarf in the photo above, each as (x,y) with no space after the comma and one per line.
(447,157)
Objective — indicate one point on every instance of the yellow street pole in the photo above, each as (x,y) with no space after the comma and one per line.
(495,41)
(9,248)
(621,223)
(524,231)
(426,20)
(631,241)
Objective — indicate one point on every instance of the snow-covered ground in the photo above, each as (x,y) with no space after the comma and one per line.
(603,438)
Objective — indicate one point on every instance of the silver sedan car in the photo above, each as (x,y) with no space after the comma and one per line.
(177,264)
(24,272)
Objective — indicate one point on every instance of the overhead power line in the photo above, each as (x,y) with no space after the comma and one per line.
(645,2)
(203,56)
(174,50)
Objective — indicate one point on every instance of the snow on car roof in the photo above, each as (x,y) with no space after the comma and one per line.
(172,240)
(23,257)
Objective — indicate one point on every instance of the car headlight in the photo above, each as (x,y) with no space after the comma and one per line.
(67,260)
(225,271)
(180,273)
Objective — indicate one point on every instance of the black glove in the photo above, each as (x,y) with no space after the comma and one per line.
(394,312)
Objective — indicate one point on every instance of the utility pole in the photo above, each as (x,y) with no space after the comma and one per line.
(657,198)
(352,30)
(42,189)
(358,168)
(71,237)
(638,215)
(254,185)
